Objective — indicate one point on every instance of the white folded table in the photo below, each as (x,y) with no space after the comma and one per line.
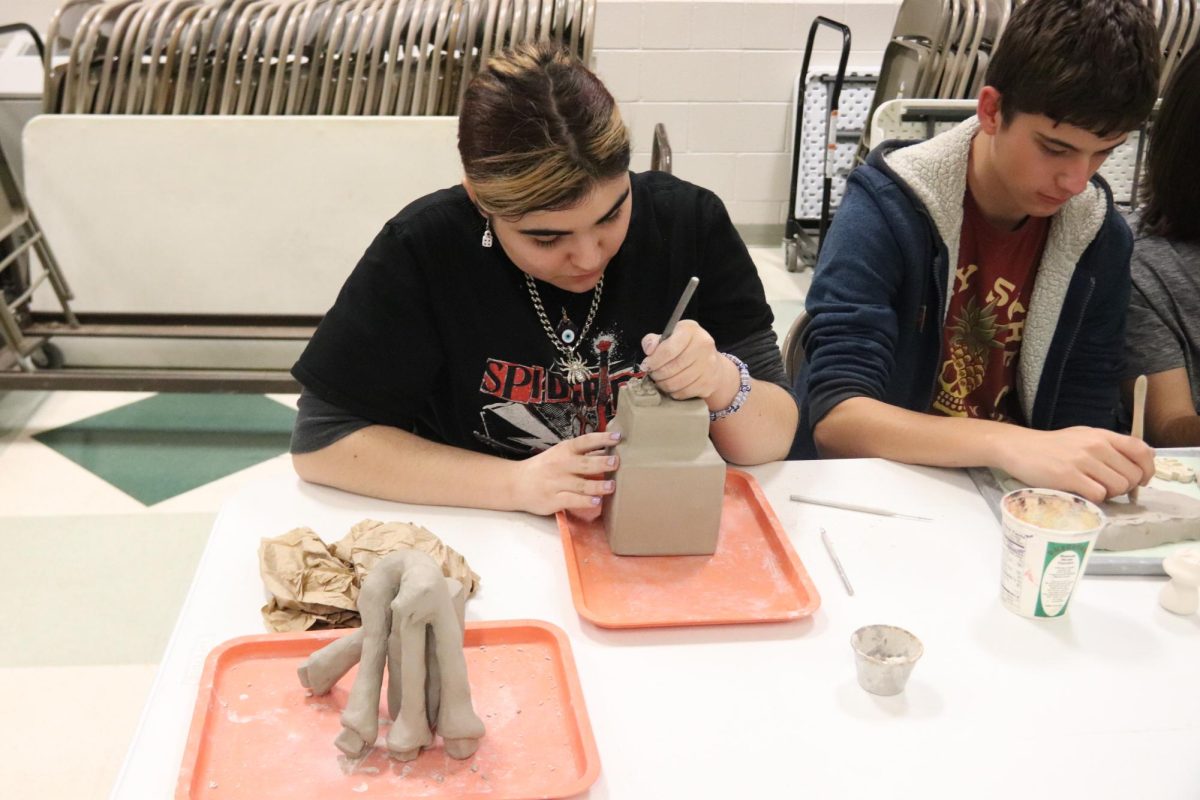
(1101,704)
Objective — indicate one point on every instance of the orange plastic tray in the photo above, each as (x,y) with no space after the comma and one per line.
(257,733)
(755,575)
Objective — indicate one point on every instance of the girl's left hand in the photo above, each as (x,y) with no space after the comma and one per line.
(688,365)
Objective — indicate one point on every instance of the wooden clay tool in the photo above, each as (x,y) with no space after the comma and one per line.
(1139,420)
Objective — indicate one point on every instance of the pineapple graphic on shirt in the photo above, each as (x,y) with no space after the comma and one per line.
(973,334)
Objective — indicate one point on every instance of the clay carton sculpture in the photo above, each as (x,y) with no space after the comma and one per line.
(412,620)
(671,484)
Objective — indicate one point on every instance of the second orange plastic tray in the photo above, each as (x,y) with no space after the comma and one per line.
(755,575)
(256,733)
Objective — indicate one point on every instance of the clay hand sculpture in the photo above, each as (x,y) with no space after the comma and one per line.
(412,619)
(671,487)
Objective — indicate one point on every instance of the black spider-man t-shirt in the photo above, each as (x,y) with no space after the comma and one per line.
(435,334)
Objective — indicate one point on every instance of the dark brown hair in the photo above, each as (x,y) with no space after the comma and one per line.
(537,131)
(1171,192)
(1093,64)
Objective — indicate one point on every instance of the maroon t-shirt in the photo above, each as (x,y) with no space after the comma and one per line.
(988,302)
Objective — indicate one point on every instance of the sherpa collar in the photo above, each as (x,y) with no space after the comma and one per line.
(936,172)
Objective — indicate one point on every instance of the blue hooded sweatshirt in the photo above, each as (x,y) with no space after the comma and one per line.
(878,300)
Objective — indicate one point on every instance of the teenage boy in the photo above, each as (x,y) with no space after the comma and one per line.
(968,307)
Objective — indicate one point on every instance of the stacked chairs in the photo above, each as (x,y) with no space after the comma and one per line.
(1179,29)
(312,57)
(940,48)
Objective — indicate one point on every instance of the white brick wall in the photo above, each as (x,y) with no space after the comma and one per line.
(720,77)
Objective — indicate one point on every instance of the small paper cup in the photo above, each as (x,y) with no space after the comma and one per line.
(1046,539)
(884,656)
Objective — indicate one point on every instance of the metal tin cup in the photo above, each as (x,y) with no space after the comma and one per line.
(884,656)
(1047,537)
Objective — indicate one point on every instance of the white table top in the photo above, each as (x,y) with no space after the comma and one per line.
(1100,704)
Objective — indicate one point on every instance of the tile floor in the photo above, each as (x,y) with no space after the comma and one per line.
(106,500)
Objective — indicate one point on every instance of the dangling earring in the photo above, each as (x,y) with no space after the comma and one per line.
(486,241)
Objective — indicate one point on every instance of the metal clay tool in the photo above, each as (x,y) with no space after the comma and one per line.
(677,314)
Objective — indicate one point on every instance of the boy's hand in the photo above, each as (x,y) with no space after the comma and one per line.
(568,476)
(1090,462)
(688,365)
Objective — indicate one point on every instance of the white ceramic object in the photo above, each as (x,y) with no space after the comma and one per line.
(1172,469)
(1181,595)
(884,656)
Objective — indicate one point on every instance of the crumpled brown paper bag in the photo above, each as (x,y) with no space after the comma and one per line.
(315,585)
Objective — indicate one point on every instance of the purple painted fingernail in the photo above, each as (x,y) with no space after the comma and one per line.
(595,501)
(615,435)
(608,487)
(612,461)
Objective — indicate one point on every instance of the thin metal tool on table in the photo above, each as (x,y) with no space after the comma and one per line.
(677,314)
(837,562)
(883,512)
(1139,420)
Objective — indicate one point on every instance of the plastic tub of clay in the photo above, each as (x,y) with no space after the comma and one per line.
(1047,536)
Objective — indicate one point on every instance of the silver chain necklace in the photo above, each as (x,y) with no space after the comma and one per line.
(571,365)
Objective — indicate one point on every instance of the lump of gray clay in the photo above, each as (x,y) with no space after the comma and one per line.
(671,484)
(1159,517)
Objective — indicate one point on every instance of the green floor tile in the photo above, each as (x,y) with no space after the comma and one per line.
(157,448)
(103,589)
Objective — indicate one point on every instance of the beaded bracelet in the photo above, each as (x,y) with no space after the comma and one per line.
(739,399)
